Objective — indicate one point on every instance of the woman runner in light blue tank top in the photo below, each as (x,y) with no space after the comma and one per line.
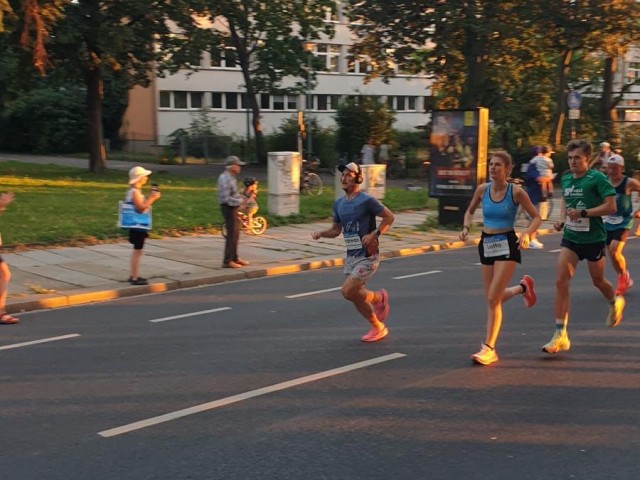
(500,247)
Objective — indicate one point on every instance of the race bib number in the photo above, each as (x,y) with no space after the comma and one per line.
(495,246)
(353,242)
(579,225)
(613,219)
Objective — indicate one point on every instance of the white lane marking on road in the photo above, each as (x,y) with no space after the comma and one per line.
(245,396)
(317,292)
(36,342)
(192,314)
(554,251)
(417,274)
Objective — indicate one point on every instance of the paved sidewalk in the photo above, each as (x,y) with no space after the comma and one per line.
(63,276)
(57,277)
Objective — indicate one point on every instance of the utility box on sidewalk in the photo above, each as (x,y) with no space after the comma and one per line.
(374,181)
(283,176)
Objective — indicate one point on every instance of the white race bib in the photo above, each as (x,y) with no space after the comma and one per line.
(613,219)
(496,245)
(353,242)
(579,225)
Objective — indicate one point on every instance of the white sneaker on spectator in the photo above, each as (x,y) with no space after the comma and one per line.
(536,244)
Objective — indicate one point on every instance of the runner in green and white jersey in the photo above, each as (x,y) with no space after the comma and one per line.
(587,195)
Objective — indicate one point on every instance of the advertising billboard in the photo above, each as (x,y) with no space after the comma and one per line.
(457,152)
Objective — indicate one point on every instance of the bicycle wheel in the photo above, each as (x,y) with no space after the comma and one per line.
(259,225)
(314,185)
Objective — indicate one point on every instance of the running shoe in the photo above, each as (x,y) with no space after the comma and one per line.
(486,355)
(559,343)
(381,308)
(536,244)
(624,283)
(375,334)
(530,298)
(615,312)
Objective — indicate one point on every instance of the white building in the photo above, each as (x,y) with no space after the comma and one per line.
(217,85)
(628,72)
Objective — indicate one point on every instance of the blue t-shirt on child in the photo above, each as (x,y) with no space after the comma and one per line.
(358,218)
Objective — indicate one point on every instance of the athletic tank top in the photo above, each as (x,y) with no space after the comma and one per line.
(499,215)
(623,218)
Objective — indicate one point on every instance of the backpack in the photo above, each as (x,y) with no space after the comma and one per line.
(532,172)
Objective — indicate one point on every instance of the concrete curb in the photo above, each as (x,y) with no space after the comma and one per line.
(102,294)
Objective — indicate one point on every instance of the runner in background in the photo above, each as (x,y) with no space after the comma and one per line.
(619,223)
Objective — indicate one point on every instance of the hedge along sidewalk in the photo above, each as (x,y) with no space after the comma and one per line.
(62,204)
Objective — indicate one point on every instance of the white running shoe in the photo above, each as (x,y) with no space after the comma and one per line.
(536,244)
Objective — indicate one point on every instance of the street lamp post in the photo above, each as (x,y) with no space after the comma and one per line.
(309,46)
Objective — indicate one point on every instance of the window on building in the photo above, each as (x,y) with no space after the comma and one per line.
(244,101)
(278,102)
(224,56)
(180,100)
(216,100)
(231,100)
(633,71)
(292,102)
(196,99)
(327,102)
(328,56)
(357,64)
(412,103)
(265,101)
(165,99)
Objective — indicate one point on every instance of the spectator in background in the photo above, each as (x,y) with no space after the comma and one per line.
(138,177)
(368,153)
(384,153)
(230,201)
(599,162)
(544,164)
(5,273)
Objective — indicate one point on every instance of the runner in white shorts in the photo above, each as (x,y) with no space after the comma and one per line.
(354,215)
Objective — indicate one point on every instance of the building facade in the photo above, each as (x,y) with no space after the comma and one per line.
(216,86)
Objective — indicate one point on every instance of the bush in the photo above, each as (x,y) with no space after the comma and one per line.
(202,139)
(45,120)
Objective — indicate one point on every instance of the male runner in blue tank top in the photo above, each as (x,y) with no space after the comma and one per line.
(618,224)
(354,215)
(587,196)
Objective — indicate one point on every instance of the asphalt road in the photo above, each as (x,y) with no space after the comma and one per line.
(267,379)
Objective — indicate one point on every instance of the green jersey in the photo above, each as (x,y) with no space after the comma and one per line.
(588,191)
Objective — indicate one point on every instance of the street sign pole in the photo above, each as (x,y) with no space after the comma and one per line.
(574,100)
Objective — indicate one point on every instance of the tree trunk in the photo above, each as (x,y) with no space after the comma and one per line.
(474,60)
(97,154)
(245,64)
(555,135)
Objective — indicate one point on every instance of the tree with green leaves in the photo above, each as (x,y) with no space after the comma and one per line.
(88,38)
(359,118)
(268,41)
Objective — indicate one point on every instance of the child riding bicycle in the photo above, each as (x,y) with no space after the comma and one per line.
(250,205)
